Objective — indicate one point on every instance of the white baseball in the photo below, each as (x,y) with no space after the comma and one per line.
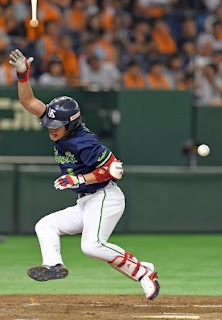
(203,150)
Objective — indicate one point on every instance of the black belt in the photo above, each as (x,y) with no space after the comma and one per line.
(83,194)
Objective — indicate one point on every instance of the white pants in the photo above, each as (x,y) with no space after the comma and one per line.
(95,216)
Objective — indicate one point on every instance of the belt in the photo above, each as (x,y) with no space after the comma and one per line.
(83,194)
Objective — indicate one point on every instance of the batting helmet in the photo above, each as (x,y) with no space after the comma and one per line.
(62,111)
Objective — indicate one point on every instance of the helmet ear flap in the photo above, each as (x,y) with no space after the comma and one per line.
(73,125)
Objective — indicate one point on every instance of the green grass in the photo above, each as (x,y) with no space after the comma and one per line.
(186,264)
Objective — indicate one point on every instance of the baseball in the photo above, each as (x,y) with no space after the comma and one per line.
(203,150)
(34,23)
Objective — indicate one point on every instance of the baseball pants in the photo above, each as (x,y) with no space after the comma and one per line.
(94,215)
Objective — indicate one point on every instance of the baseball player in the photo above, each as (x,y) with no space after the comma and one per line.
(91,170)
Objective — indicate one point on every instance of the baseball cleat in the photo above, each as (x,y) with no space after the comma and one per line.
(150,285)
(45,273)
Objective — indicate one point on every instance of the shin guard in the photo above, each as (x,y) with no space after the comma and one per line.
(129,266)
(143,272)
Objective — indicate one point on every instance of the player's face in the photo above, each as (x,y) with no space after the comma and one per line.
(56,134)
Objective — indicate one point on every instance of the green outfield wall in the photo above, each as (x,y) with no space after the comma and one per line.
(154,126)
(158,199)
(208,130)
(141,127)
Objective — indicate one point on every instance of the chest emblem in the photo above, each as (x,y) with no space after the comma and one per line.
(67,158)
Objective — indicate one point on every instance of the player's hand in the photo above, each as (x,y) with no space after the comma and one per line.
(19,61)
(69,181)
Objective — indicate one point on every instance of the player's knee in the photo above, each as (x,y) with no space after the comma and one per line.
(91,249)
(43,224)
(40,225)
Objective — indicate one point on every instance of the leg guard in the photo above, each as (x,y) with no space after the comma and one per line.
(143,272)
(129,266)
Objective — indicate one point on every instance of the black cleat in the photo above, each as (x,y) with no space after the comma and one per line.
(45,273)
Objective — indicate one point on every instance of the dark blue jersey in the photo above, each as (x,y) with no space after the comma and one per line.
(81,153)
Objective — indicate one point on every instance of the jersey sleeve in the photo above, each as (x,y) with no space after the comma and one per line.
(94,155)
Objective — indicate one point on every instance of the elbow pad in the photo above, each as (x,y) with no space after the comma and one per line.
(112,169)
(116,169)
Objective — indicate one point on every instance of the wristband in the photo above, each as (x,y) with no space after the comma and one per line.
(24,76)
(81,179)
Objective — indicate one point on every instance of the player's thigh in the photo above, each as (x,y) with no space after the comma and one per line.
(102,212)
(66,221)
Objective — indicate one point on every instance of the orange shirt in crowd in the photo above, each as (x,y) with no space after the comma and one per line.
(5,3)
(2,23)
(48,11)
(133,81)
(159,82)
(51,46)
(70,65)
(109,50)
(155,11)
(164,42)
(108,19)
(76,19)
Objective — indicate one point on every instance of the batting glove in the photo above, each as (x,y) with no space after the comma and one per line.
(69,181)
(21,64)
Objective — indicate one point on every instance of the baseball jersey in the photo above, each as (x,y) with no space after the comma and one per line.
(81,153)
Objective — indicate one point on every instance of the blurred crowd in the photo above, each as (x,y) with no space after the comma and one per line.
(110,44)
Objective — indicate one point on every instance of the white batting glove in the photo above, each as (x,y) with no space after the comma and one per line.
(69,181)
(19,61)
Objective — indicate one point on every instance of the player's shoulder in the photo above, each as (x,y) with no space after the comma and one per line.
(84,135)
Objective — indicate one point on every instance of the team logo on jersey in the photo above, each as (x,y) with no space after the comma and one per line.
(67,158)
(51,113)
(102,156)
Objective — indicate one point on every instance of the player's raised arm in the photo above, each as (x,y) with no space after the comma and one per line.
(26,96)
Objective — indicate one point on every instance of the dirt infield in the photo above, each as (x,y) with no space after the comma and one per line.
(76,307)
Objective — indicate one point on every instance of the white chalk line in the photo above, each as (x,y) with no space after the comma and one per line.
(152,305)
(179,305)
(169,316)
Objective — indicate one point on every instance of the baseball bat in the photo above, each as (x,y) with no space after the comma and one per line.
(34,22)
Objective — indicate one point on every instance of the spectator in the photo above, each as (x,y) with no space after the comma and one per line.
(69,60)
(75,18)
(7,76)
(88,50)
(189,32)
(94,28)
(209,89)
(187,82)
(49,43)
(100,75)
(105,45)
(175,69)
(162,37)
(212,4)
(156,77)
(140,44)
(108,15)
(91,8)
(217,33)
(133,77)
(188,53)
(55,76)
(217,16)
(150,9)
